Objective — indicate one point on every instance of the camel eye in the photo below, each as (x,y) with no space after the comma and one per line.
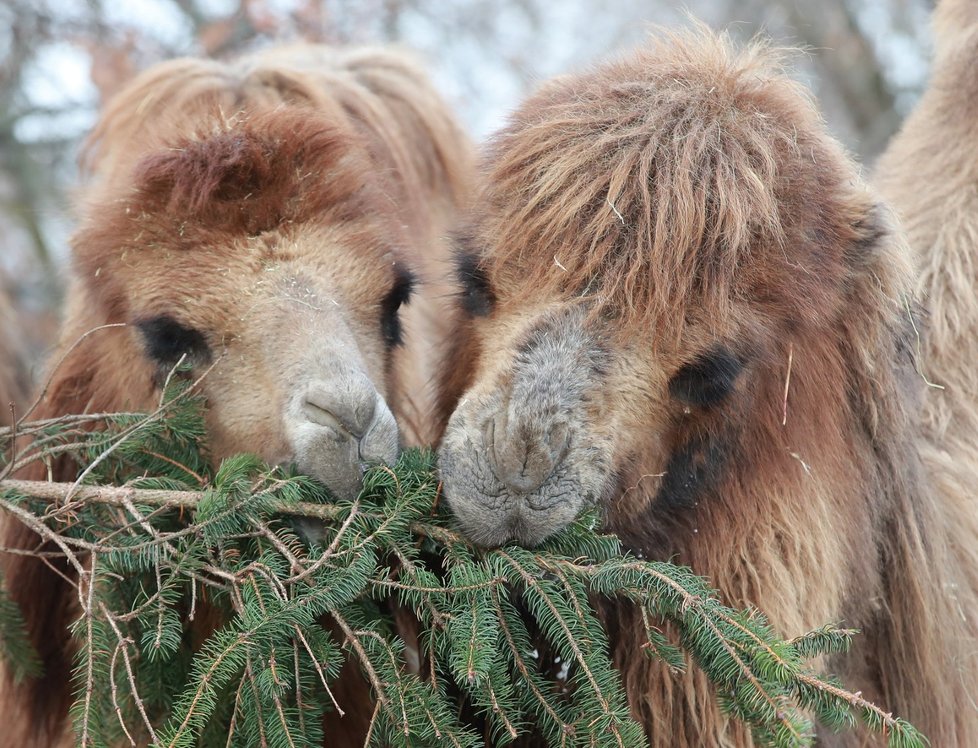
(476,295)
(166,340)
(390,321)
(707,380)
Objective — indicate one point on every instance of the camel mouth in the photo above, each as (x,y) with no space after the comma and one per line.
(492,512)
(511,518)
(523,524)
(524,453)
(337,429)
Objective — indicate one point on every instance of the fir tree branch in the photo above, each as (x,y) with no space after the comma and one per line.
(276,591)
(530,581)
(524,669)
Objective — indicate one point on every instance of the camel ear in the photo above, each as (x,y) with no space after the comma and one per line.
(879,258)
(231,179)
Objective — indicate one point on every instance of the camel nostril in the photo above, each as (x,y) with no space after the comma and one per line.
(522,460)
(322,417)
(347,413)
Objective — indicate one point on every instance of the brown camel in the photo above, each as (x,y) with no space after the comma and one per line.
(929,174)
(263,220)
(687,308)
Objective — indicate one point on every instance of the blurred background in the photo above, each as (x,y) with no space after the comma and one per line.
(865,60)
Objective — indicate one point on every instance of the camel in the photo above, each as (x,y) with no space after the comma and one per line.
(261,221)
(686,307)
(930,176)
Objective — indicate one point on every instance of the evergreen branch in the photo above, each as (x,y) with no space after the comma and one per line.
(379,691)
(43,424)
(15,644)
(115,693)
(524,669)
(89,614)
(297,674)
(319,670)
(250,678)
(330,550)
(531,582)
(455,589)
(894,726)
(264,677)
(204,684)
(123,645)
(165,404)
(501,714)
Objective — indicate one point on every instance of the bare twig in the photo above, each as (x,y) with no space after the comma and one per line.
(57,366)
(124,643)
(118,496)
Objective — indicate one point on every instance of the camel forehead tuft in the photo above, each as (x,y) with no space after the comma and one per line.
(689,173)
(262,172)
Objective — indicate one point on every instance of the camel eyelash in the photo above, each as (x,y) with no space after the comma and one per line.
(707,380)
(400,294)
(476,295)
(167,340)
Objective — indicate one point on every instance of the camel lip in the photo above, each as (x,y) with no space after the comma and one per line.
(509,517)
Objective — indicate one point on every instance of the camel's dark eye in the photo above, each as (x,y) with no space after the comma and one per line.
(166,340)
(476,295)
(707,380)
(390,321)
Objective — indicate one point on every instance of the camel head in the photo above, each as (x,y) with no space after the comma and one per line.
(261,253)
(657,244)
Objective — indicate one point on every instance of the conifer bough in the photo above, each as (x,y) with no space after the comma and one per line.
(506,641)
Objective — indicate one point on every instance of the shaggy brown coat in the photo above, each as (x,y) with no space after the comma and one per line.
(687,306)
(929,174)
(285,191)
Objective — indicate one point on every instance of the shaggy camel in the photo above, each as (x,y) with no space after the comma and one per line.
(265,219)
(929,174)
(688,308)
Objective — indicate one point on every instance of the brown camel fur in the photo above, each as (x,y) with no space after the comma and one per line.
(688,308)
(266,218)
(929,174)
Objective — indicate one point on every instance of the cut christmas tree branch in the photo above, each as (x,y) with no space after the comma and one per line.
(294,579)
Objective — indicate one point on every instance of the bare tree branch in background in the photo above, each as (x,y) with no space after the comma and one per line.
(484,53)
(848,69)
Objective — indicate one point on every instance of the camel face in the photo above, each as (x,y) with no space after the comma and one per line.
(566,403)
(257,255)
(260,218)
(291,372)
(660,249)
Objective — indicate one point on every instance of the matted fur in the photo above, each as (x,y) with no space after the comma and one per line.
(700,318)
(280,194)
(929,173)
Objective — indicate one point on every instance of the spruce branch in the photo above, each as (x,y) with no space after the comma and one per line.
(296,579)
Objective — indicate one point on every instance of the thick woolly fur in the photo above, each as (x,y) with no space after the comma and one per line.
(929,174)
(695,313)
(266,217)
